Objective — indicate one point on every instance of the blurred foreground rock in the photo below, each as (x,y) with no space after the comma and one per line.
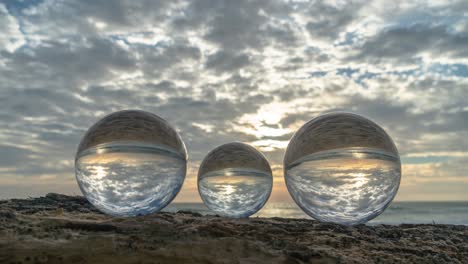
(64,229)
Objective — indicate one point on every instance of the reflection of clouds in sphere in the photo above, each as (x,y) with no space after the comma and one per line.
(131,163)
(235,180)
(342,168)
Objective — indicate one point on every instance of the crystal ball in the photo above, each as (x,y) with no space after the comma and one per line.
(131,163)
(342,168)
(235,180)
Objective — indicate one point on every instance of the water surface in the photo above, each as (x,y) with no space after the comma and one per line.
(397,213)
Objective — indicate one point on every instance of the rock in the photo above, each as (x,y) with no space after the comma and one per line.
(190,213)
(7,214)
(65,229)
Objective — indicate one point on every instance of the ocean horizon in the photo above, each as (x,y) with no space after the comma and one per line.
(399,212)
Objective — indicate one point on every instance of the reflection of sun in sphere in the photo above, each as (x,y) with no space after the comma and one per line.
(235,180)
(131,163)
(342,168)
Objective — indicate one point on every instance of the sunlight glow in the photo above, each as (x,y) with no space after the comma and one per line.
(229,189)
(265,122)
(101,172)
(360,179)
(270,144)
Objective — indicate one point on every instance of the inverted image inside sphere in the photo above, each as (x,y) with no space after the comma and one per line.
(342,168)
(131,163)
(235,180)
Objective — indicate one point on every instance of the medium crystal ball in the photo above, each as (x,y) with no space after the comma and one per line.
(235,180)
(342,168)
(131,163)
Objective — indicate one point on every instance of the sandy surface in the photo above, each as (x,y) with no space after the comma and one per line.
(63,229)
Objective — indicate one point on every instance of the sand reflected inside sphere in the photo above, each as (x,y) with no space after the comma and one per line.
(235,180)
(342,168)
(131,163)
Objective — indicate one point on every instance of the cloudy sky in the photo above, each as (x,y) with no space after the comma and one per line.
(219,71)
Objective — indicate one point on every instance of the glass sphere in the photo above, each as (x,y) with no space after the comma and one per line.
(342,168)
(131,163)
(235,180)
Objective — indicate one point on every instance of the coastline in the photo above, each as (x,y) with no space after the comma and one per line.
(67,229)
(399,212)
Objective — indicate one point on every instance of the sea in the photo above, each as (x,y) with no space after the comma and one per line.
(455,213)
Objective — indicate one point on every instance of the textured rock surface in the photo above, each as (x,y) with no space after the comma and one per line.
(63,229)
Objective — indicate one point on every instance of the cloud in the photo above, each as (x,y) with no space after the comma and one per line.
(414,42)
(226,62)
(11,37)
(328,21)
(221,71)
(163,58)
(236,25)
(13,156)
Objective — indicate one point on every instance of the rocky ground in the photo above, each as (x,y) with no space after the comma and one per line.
(64,229)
